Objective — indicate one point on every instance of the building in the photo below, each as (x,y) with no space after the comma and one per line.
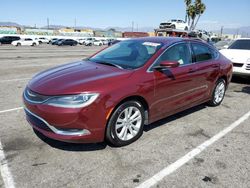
(10,30)
(76,32)
(111,33)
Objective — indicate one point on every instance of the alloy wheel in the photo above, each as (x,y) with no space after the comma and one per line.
(219,92)
(128,123)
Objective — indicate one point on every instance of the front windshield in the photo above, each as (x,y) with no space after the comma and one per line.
(129,54)
(240,45)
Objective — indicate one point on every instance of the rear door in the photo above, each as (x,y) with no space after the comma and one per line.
(175,88)
(207,68)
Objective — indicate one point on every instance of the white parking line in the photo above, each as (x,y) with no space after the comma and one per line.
(183,160)
(5,172)
(9,110)
(14,80)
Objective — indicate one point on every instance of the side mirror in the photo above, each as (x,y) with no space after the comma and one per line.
(167,64)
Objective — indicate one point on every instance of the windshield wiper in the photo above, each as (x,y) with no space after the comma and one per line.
(111,64)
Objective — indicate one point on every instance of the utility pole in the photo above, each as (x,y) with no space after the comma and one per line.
(221,31)
(75,23)
(48,23)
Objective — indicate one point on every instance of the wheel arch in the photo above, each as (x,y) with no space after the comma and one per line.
(224,77)
(138,98)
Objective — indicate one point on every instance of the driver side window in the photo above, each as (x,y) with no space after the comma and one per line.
(179,53)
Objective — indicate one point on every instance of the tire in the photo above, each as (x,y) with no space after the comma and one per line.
(100,44)
(173,26)
(18,44)
(120,135)
(34,44)
(186,28)
(218,93)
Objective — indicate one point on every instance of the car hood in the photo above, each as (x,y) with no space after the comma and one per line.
(77,77)
(237,56)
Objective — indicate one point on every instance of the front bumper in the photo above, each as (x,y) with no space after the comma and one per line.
(244,70)
(86,125)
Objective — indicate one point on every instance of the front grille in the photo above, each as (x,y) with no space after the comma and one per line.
(36,121)
(34,97)
(238,64)
(248,67)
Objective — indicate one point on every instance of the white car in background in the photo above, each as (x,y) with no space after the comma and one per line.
(239,53)
(98,43)
(89,41)
(42,40)
(105,41)
(25,42)
(174,24)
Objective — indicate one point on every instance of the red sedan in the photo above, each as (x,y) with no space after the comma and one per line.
(114,93)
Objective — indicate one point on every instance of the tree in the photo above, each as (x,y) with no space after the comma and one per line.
(201,7)
(187,2)
(194,12)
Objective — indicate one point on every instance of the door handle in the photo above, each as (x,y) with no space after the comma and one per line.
(191,70)
(215,66)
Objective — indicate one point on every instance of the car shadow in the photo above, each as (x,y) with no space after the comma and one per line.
(71,146)
(240,80)
(246,89)
(174,117)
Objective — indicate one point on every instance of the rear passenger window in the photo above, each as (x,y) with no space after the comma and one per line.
(202,53)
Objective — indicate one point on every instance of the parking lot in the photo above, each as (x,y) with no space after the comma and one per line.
(32,160)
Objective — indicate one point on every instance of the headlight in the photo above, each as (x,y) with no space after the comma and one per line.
(73,101)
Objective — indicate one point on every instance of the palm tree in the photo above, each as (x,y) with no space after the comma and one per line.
(191,15)
(194,11)
(187,2)
(201,7)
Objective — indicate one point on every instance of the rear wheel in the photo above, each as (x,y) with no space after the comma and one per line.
(126,124)
(173,26)
(18,44)
(186,28)
(218,93)
(34,44)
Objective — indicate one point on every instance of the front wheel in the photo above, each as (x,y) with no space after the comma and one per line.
(218,93)
(126,124)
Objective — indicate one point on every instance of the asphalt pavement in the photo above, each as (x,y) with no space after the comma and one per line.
(36,161)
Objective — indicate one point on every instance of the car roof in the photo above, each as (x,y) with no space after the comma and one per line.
(167,40)
(243,39)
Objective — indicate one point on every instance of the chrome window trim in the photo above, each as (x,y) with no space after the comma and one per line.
(57,131)
(149,70)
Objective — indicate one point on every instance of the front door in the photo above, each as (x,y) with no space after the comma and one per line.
(175,88)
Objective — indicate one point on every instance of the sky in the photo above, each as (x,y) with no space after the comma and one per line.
(121,13)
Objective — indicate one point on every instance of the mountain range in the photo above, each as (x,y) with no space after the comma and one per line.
(244,31)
